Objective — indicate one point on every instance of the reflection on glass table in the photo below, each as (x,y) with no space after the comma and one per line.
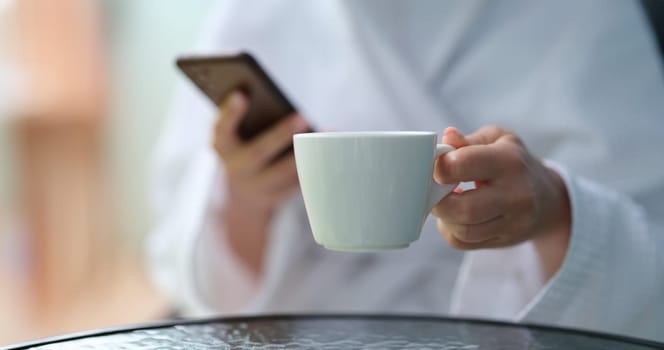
(341,332)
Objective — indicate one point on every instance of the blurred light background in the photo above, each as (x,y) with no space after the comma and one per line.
(85,86)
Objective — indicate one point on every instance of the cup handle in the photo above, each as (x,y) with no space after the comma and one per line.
(437,191)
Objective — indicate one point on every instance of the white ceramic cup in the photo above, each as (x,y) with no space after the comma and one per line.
(366,191)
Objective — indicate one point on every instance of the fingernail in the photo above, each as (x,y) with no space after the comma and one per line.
(450,130)
(437,179)
(437,175)
(236,100)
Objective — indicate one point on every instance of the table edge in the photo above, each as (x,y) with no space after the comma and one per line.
(305,316)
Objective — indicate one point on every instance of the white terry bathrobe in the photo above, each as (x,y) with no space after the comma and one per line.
(579,81)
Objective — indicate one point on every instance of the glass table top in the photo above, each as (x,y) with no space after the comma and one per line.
(340,332)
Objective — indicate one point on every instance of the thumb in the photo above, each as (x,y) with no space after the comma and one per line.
(485,135)
(453,137)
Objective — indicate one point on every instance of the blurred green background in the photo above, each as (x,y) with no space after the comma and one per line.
(144,37)
(140,42)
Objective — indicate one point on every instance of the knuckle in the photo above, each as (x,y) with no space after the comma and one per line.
(231,170)
(223,128)
(286,129)
(493,129)
(277,136)
(216,145)
(523,200)
(457,244)
(466,211)
(287,169)
(220,146)
(515,158)
(245,189)
(454,168)
(512,137)
(519,161)
(449,234)
(463,233)
(439,170)
(513,155)
(500,131)
(446,208)
(444,231)
(453,242)
(234,167)
(449,169)
(437,210)
(261,150)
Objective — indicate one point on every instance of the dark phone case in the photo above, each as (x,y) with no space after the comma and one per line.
(216,76)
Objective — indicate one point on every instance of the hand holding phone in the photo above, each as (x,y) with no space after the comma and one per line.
(253,133)
(255,183)
(218,76)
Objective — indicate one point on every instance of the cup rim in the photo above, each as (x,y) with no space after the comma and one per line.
(372,134)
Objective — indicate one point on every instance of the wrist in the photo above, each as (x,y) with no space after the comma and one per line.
(561,219)
(241,206)
(239,214)
(552,241)
(246,228)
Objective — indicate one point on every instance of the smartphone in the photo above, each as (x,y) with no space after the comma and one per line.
(217,76)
